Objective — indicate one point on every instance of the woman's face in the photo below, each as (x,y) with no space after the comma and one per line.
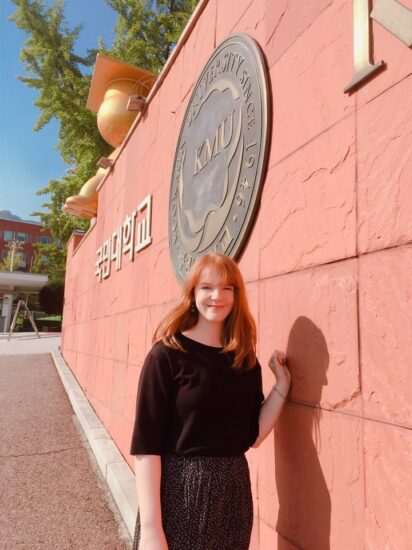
(214,298)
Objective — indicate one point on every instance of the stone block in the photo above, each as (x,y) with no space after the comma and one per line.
(109,336)
(121,432)
(267,537)
(100,410)
(165,147)
(160,274)
(384,151)
(70,358)
(86,337)
(123,288)
(133,373)
(252,294)
(144,136)
(252,458)
(319,478)
(285,22)
(251,22)
(122,484)
(198,48)
(308,80)
(155,314)
(86,415)
(106,212)
(118,175)
(95,299)
(104,379)
(139,174)
(97,433)
(87,297)
(308,213)
(385,321)
(118,402)
(312,316)
(250,255)
(121,337)
(105,452)
(105,292)
(137,336)
(82,370)
(254,538)
(169,94)
(388,477)
(160,215)
(140,278)
(100,337)
(227,20)
(396,56)
(268,508)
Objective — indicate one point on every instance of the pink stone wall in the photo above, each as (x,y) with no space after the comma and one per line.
(328,270)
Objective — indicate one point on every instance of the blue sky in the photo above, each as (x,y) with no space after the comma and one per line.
(29,159)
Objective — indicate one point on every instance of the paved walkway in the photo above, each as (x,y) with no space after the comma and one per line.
(51,493)
(22,343)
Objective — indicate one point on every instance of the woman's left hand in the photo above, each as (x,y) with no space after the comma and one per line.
(278,366)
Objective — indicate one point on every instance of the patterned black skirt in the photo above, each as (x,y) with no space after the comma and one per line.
(206,503)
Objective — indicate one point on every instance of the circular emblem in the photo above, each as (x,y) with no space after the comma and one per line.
(220,156)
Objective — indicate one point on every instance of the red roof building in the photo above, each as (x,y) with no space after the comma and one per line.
(26,234)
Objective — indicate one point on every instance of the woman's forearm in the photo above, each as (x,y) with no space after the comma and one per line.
(148,469)
(273,404)
(269,413)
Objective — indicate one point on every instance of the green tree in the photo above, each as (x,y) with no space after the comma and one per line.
(55,70)
(146,31)
(59,74)
(55,264)
(5,263)
(51,298)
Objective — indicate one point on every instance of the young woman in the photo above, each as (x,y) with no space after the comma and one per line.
(199,408)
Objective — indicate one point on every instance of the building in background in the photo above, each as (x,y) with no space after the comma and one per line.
(21,281)
(26,234)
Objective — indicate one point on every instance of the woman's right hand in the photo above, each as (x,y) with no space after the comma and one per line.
(153,539)
(278,365)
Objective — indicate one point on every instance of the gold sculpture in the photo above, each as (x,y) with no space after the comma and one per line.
(117,92)
(113,84)
(84,205)
(113,118)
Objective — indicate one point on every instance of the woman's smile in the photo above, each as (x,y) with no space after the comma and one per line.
(214,298)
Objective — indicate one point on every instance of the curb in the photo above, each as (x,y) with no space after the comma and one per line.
(115,470)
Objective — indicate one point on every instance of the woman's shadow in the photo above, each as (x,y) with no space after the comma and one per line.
(304,500)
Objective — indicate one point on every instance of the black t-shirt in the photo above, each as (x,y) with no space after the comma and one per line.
(194,403)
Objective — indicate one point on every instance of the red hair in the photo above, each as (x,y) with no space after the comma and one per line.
(239,330)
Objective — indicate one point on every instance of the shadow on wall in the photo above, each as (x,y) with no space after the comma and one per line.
(304,500)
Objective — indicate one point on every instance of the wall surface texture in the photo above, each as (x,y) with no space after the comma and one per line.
(328,269)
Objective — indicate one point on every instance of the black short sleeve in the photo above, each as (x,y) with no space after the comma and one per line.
(153,405)
(193,402)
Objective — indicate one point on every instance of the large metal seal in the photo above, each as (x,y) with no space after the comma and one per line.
(220,157)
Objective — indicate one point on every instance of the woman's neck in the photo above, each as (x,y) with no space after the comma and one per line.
(210,334)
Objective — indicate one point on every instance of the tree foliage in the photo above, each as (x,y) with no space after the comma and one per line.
(56,261)
(51,298)
(145,33)
(6,262)
(147,30)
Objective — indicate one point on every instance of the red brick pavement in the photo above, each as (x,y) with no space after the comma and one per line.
(51,493)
